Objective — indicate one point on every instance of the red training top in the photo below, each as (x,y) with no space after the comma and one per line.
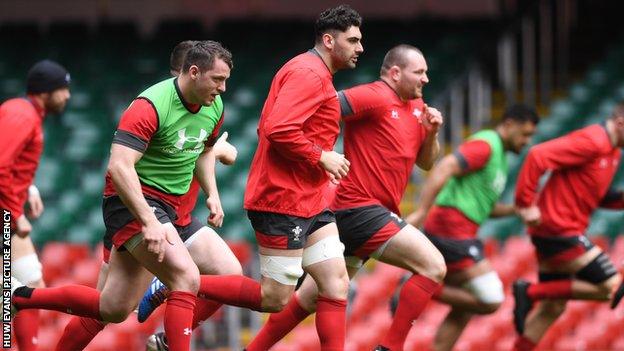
(383,136)
(299,119)
(583,164)
(21,145)
(450,222)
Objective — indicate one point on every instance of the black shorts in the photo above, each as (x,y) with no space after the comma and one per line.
(185,233)
(458,254)
(188,230)
(560,249)
(120,223)
(364,229)
(280,231)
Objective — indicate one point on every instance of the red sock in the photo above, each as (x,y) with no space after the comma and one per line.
(413,299)
(523,344)
(234,290)
(278,325)
(331,324)
(203,310)
(78,333)
(79,300)
(556,289)
(26,324)
(178,320)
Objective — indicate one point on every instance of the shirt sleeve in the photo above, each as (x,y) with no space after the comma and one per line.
(613,199)
(473,155)
(16,131)
(568,151)
(212,139)
(137,125)
(299,97)
(357,103)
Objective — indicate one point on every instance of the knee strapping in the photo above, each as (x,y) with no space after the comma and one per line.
(285,270)
(488,288)
(27,269)
(324,249)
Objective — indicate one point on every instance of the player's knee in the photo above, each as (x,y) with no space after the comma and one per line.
(274,303)
(434,268)
(488,289)
(336,287)
(116,313)
(608,287)
(186,280)
(28,270)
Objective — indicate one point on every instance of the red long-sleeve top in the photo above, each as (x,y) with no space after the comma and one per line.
(21,145)
(583,164)
(299,119)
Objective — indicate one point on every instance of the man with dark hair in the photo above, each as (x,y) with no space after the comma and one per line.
(176,60)
(209,252)
(582,165)
(21,145)
(289,173)
(388,129)
(461,192)
(164,137)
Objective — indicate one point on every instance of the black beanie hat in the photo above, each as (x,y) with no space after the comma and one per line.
(46,76)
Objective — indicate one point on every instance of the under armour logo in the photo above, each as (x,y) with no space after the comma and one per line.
(604,163)
(183,139)
(297,231)
(187,331)
(394,114)
(417,112)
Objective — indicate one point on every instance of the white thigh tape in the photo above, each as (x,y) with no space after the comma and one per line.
(488,288)
(27,269)
(286,270)
(325,249)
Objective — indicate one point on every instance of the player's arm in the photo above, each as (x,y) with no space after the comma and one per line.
(430,149)
(470,157)
(503,210)
(613,199)
(225,152)
(564,152)
(15,134)
(205,175)
(449,166)
(299,97)
(137,125)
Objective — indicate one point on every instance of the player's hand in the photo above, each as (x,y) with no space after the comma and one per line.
(332,179)
(224,151)
(216,211)
(531,216)
(334,163)
(416,218)
(35,204)
(156,235)
(432,119)
(22,226)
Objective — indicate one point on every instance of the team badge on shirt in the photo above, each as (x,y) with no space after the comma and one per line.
(394,114)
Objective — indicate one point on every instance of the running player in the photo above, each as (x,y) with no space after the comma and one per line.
(288,175)
(388,129)
(163,137)
(582,165)
(21,144)
(462,192)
